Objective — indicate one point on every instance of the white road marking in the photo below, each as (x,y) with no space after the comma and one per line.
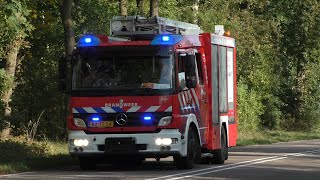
(216,167)
(232,166)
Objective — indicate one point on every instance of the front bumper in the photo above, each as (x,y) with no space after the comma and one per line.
(144,143)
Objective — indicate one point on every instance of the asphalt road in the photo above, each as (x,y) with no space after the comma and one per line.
(293,160)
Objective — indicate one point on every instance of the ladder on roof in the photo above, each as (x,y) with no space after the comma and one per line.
(140,26)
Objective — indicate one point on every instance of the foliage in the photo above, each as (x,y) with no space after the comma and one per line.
(271,136)
(278,58)
(18,154)
(250,108)
(15,27)
(36,91)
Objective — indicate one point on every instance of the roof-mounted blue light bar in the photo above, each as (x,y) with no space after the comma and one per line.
(88,40)
(166,39)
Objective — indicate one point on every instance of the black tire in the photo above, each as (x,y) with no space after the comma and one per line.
(220,155)
(87,163)
(192,151)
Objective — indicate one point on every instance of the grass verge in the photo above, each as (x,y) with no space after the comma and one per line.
(18,155)
(267,137)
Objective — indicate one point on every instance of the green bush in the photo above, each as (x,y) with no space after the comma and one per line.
(271,116)
(250,108)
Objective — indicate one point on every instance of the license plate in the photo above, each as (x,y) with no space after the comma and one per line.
(102,124)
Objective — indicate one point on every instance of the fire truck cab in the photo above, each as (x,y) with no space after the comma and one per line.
(154,88)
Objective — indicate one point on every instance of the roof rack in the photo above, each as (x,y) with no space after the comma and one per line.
(140,26)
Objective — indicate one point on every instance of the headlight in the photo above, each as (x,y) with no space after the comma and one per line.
(165,121)
(81,142)
(158,141)
(79,122)
(166,141)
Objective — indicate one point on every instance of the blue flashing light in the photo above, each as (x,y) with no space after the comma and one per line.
(170,39)
(88,40)
(147,118)
(95,118)
(165,38)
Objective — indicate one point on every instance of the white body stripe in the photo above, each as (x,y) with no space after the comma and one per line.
(134,109)
(74,111)
(180,101)
(89,110)
(195,97)
(185,94)
(169,109)
(108,109)
(190,97)
(183,100)
(152,109)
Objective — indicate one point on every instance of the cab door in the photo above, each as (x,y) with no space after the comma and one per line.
(202,96)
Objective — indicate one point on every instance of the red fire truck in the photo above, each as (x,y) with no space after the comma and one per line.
(162,89)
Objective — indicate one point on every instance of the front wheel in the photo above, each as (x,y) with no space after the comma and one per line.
(192,151)
(220,155)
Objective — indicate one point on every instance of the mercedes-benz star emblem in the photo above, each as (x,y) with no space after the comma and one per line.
(121,119)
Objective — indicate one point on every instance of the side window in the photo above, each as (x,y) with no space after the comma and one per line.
(215,85)
(181,72)
(223,80)
(199,66)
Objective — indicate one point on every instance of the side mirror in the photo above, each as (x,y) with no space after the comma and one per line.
(190,67)
(62,86)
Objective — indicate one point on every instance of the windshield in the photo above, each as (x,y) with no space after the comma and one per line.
(140,67)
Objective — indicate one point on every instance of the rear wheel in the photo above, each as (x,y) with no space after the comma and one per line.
(220,155)
(193,147)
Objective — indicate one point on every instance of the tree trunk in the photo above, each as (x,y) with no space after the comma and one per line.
(154,8)
(195,10)
(10,69)
(69,43)
(140,5)
(123,7)
(69,39)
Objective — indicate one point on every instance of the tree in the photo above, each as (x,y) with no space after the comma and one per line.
(195,9)
(140,5)
(69,37)
(15,28)
(154,8)
(123,7)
